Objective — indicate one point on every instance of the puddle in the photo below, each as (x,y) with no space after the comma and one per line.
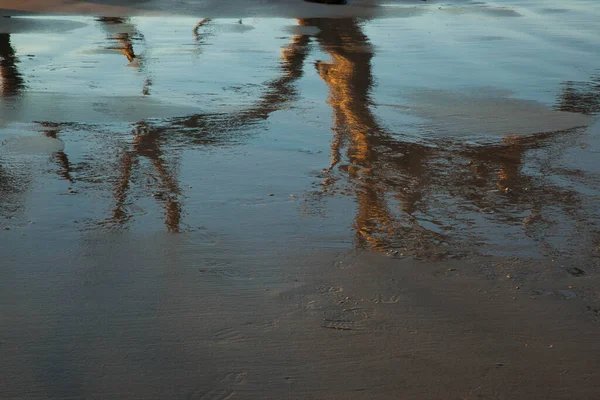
(32,145)
(425,145)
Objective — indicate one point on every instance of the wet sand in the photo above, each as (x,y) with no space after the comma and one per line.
(231,202)
(206,8)
(218,322)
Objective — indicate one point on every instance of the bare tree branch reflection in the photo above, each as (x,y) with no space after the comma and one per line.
(208,128)
(349,78)
(420,196)
(199,37)
(153,141)
(123,38)
(123,33)
(422,178)
(52,130)
(147,144)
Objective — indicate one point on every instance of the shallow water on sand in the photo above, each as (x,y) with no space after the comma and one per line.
(166,180)
(455,130)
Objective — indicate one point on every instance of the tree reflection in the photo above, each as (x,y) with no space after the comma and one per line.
(211,128)
(370,150)
(404,189)
(581,97)
(52,130)
(198,35)
(416,195)
(122,34)
(147,144)
(11,84)
(12,81)
(158,142)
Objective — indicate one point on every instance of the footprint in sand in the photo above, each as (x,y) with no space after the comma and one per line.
(349,319)
(385,299)
(229,335)
(224,388)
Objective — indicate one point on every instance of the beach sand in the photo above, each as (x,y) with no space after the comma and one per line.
(209,200)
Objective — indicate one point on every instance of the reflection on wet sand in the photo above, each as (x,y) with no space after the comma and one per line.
(52,130)
(419,196)
(384,170)
(147,144)
(198,36)
(123,32)
(278,93)
(374,157)
(581,97)
(12,81)
(11,84)
(123,38)
(150,139)
(350,79)
(157,142)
